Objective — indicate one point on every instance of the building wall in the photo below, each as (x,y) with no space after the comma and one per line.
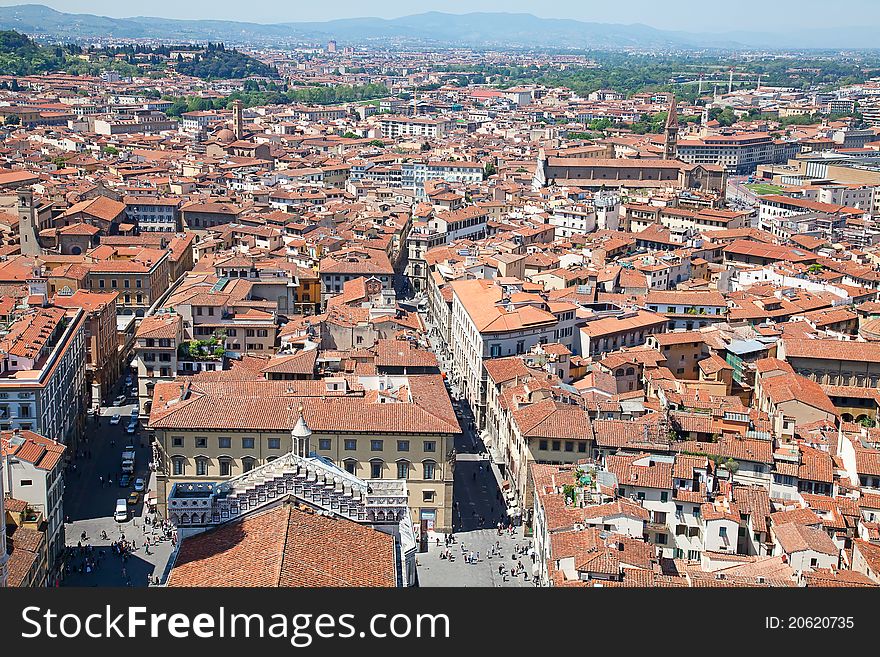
(43,490)
(426,496)
(837,372)
(52,403)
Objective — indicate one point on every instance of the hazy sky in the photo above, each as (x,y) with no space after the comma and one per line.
(694,15)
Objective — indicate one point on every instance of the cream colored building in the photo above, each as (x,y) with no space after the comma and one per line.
(379,427)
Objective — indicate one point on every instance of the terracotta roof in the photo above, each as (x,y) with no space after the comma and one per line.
(550,419)
(740,449)
(101,207)
(656,475)
(160,326)
(795,537)
(266,405)
(41,452)
(302,362)
(502,370)
(481,299)
(286,547)
(401,353)
(831,349)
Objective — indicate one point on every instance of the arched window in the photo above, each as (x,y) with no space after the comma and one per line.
(428,469)
(225,466)
(630,371)
(178,465)
(376,468)
(248,463)
(351,466)
(201,466)
(619,372)
(403,469)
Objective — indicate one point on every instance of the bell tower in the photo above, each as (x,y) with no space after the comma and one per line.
(238,119)
(27,223)
(671,131)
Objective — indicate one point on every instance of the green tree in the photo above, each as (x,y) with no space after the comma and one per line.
(489,170)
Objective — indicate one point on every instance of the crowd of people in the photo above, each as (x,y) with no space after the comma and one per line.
(496,551)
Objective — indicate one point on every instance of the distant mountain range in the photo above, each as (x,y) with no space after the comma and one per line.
(475,30)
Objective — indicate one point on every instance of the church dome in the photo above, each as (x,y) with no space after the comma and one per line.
(225,135)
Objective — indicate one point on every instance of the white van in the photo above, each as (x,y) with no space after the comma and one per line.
(121,514)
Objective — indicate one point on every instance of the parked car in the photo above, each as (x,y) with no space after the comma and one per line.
(121,513)
(124,480)
(120,400)
(131,428)
(133,498)
(128,380)
(139,485)
(115,419)
(135,413)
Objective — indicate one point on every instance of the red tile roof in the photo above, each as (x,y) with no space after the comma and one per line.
(286,546)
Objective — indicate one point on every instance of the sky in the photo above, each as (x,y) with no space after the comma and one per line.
(686,15)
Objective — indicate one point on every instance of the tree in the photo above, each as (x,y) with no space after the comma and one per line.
(12,119)
(725,117)
(489,170)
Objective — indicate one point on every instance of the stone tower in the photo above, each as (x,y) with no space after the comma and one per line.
(671,132)
(238,119)
(27,223)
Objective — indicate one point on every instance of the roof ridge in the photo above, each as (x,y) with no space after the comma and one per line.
(283,558)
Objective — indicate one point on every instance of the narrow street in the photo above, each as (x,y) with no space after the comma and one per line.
(478,507)
(91,490)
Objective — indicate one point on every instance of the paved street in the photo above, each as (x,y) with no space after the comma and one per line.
(434,571)
(740,197)
(89,504)
(478,506)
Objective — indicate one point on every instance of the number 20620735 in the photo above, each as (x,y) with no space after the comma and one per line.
(809,622)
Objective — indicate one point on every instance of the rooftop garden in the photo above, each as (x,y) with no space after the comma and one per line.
(210,349)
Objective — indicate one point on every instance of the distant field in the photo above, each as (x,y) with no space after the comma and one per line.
(765,188)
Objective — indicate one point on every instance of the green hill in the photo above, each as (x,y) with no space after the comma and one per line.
(217,62)
(21,56)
